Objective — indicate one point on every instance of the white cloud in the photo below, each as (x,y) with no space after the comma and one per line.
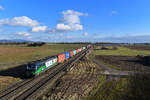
(39,29)
(76,27)
(85,34)
(25,34)
(1,8)
(62,27)
(72,12)
(65,28)
(69,22)
(114,12)
(71,17)
(19,21)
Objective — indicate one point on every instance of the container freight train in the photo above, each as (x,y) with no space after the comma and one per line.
(36,67)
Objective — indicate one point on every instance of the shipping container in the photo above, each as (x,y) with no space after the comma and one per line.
(67,55)
(77,50)
(80,49)
(74,52)
(49,62)
(83,48)
(55,59)
(89,46)
(71,53)
(61,58)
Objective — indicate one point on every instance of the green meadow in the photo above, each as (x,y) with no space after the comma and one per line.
(122,51)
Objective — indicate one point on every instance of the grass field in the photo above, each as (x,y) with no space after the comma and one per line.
(13,55)
(111,90)
(122,51)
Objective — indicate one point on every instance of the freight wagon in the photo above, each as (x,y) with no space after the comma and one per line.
(74,52)
(71,53)
(83,48)
(61,58)
(80,49)
(67,55)
(77,50)
(36,67)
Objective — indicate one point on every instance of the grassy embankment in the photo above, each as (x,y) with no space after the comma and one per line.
(13,55)
(110,90)
(132,88)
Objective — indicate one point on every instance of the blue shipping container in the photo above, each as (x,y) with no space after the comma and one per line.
(67,55)
(74,52)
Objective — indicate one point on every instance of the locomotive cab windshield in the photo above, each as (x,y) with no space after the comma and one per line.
(31,66)
(34,66)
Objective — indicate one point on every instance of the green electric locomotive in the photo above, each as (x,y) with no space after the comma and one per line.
(36,67)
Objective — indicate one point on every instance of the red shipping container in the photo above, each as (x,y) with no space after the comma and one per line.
(80,50)
(61,58)
(71,53)
(77,50)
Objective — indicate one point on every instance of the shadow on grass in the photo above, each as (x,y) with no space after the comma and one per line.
(139,61)
(17,72)
(138,88)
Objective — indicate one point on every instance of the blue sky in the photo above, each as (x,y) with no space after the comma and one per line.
(75,20)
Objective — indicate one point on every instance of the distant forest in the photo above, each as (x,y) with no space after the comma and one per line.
(42,43)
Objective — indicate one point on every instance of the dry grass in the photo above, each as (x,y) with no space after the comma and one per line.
(5,81)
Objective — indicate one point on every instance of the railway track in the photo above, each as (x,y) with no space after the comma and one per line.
(33,88)
(9,92)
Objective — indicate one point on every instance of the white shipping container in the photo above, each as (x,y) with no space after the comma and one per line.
(49,63)
(54,60)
